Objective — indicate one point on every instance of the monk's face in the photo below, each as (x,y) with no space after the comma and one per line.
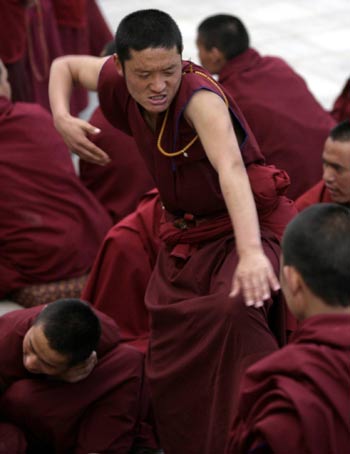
(153,77)
(39,357)
(212,60)
(336,170)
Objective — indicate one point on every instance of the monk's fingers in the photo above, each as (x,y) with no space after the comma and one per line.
(77,133)
(254,290)
(89,152)
(273,280)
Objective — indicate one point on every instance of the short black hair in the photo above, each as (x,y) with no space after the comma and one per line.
(341,132)
(225,32)
(148,28)
(317,243)
(71,328)
(109,48)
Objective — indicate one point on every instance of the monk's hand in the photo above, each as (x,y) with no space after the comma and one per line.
(81,370)
(75,132)
(254,277)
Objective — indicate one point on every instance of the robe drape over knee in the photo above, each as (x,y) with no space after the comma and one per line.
(51,226)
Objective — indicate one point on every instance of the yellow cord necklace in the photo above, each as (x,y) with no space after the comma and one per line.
(161,132)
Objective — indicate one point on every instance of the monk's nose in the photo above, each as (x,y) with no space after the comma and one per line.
(158,84)
(328,173)
(31,362)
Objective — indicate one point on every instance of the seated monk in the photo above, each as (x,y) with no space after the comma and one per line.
(68,384)
(51,225)
(297,400)
(335,185)
(288,123)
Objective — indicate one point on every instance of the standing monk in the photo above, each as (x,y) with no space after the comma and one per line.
(196,145)
(289,125)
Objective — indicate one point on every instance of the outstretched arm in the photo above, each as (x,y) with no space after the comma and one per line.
(65,73)
(254,275)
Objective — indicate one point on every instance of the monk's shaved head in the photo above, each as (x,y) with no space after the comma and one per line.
(317,244)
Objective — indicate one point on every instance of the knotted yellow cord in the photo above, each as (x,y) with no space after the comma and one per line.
(161,132)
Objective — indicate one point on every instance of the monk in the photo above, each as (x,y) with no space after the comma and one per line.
(341,107)
(206,293)
(297,400)
(51,225)
(335,185)
(68,384)
(287,121)
(13,46)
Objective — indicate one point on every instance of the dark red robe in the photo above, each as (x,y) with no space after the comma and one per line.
(13,45)
(119,278)
(297,400)
(201,340)
(51,226)
(289,125)
(341,107)
(317,194)
(12,439)
(104,413)
(120,184)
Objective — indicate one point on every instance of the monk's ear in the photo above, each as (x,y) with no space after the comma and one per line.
(118,64)
(292,279)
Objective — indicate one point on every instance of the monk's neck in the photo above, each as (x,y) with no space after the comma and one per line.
(151,120)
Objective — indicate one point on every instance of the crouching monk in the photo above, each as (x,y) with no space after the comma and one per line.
(68,385)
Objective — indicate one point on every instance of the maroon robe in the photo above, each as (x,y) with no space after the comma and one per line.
(99,32)
(104,413)
(290,126)
(51,226)
(13,44)
(43,46)
(341,106)
(122,269)
(297,400)
(120,184)
(317,194)
(12,440)
(201,340)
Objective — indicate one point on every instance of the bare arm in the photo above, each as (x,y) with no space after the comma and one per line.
(65,73)
(210,117)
